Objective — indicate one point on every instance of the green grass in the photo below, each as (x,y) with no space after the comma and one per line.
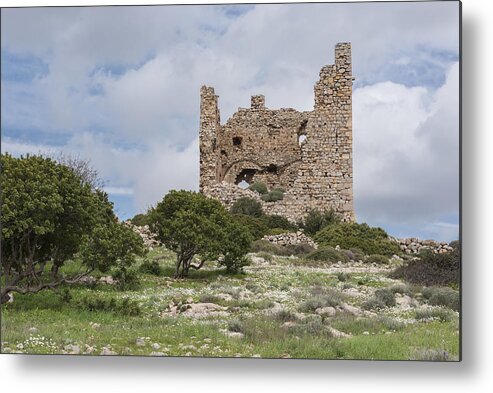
(60,319)
(358,325)
(400,345)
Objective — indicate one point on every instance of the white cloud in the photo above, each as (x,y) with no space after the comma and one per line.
(17,148)
(119,190)
(442,231)
(149,172)
(406,151)
(123,88)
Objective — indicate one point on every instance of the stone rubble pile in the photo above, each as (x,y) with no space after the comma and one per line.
(290,238)
(412,245)
(149,238)
(228,193)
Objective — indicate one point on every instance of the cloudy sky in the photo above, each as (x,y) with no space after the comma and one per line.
(119,86)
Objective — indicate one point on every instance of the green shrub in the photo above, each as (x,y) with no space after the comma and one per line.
(342,277)
(311,327)
(299,249)
(235,326)
(273,196)
(234,264)
(377,259)
(253,287)
(264,246)
(428,354)
(455,244)
(125,307)
(247,206)
(151,267)
(358,254)
(54,211)
(450,299)
(439,313)
(285,316)
(65,295)
(328,254)
(276,221)
(381,299)
(126,279)
(349,235)
(209,298)
(140,220)
(428,292)
(431,269)
(386,296)
(259,187)
(255,226)
(349,254)
(446,297)
(316,220)
(265,255)
(276,231)
(328,298)
(391,323)
(402,289)
(311,304)
(271,248)
(373,304)
(191,224)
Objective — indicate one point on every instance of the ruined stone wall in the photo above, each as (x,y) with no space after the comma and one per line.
(309,154)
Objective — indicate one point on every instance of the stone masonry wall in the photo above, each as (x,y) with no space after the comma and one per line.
(309,154)
(412,245)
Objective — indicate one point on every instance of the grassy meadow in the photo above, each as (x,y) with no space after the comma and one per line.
(279,307)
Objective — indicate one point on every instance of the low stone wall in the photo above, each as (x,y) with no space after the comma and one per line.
(149,238)
(290,238)
(412,245)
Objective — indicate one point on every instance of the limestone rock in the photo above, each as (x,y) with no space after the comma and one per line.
(196,310)
(337,333)
(72,349)
(107,352)
(326,311)
(351,309)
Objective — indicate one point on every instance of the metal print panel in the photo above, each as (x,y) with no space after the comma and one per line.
(262,180)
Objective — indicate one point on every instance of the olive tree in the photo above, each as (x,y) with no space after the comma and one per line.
(50,216)
(190,224)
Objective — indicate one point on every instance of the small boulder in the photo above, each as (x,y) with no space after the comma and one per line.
(72,349)
(326,311)
(107,280)
(337,333)
(107,352)
(351,309)
(158,354)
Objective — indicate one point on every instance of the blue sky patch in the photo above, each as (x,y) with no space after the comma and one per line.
(235,11)
(22,68)
(422,66)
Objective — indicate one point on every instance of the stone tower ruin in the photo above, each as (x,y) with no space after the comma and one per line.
(308,154)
